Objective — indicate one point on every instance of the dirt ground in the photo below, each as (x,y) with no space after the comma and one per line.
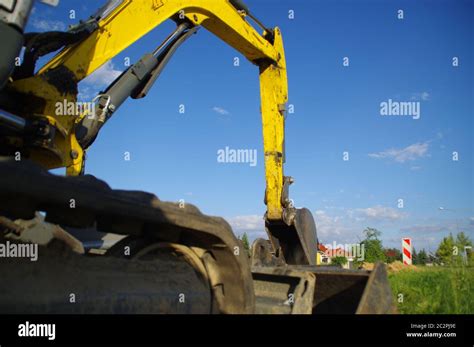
(393,267)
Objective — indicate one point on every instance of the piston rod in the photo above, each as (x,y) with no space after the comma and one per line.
(12,121)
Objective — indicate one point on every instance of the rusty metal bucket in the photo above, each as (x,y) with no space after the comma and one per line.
(310,289)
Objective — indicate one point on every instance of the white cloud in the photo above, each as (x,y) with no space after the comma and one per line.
(336,228)
(425,96)
(410,153)
(327,225)
(220,111)
(253,225)
(103,76)
(377,213)
(48,25)
(247,223)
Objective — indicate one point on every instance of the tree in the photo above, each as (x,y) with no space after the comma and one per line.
(414,257)
(245,242)
(339,261)
(448,251)
(462,241)
(372,233)
(422,257)
(373,246)
(452,250)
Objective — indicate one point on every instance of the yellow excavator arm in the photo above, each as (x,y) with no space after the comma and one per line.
(117,27)
(132,19)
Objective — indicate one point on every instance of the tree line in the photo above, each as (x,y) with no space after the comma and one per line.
(451,250)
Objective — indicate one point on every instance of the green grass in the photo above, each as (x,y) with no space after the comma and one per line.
(434,290)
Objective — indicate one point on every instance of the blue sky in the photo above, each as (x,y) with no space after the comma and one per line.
(337,109)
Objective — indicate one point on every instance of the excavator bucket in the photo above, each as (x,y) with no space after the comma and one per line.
(298,241)
(310,289)
(321,290)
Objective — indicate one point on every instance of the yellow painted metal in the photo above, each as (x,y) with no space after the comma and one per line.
(133,19)
(274,95)
(68,153)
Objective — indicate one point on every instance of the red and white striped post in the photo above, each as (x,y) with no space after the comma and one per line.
(407,250)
